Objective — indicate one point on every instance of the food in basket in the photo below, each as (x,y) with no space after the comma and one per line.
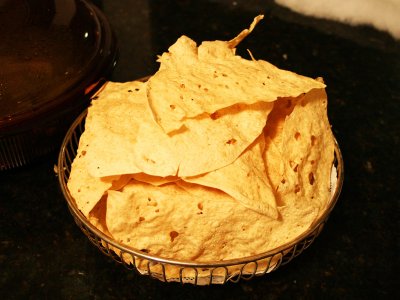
(214,157)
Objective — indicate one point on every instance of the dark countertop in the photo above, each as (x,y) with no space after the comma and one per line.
(44,255)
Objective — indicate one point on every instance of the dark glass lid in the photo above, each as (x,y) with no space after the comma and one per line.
(48,48)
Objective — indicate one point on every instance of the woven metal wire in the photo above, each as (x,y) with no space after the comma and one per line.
(168,270)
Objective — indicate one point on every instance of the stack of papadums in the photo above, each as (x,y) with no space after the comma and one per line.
(214,157)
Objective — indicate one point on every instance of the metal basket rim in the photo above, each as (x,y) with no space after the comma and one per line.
(76,213)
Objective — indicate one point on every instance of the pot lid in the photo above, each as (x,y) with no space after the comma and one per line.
(47,49)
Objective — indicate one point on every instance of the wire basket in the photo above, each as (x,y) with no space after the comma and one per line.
(169,270)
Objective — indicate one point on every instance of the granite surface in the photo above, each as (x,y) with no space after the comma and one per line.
(44,255)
